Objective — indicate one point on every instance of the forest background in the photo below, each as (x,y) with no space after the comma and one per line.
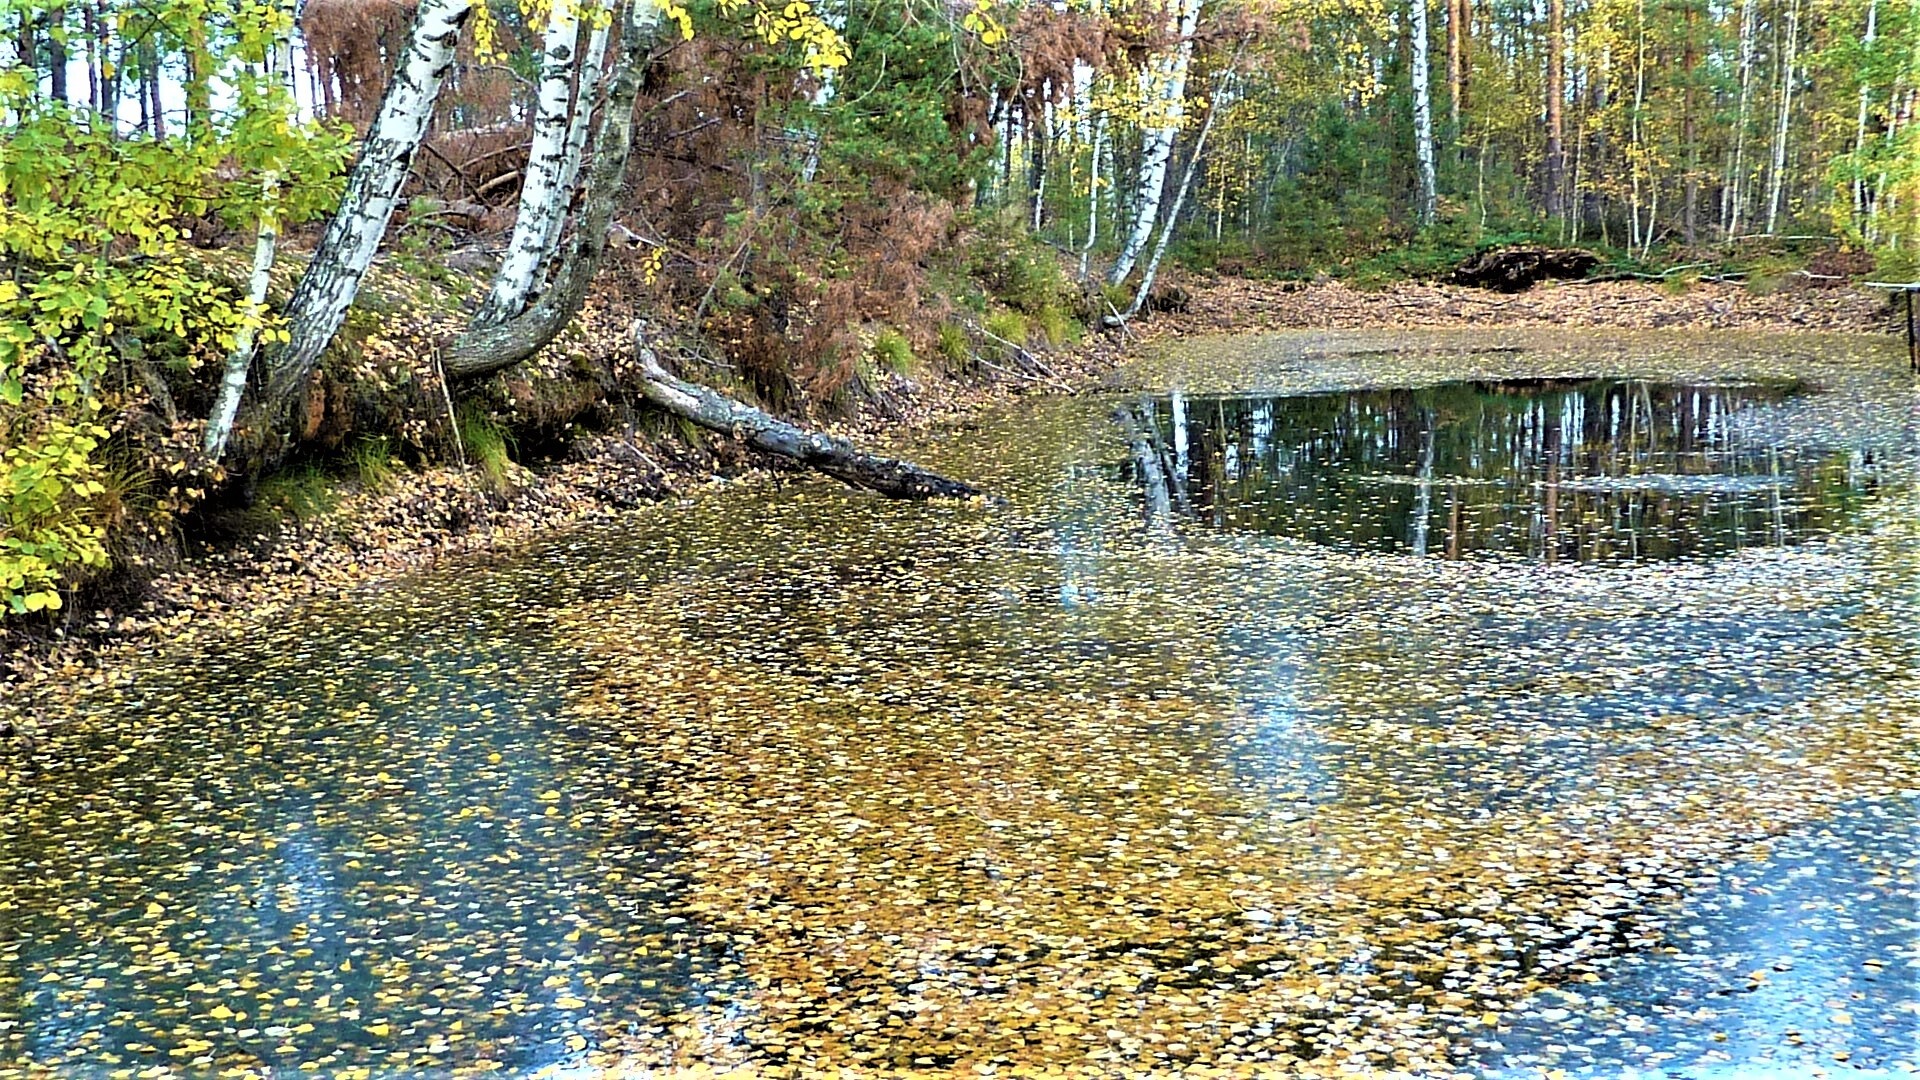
(251,251)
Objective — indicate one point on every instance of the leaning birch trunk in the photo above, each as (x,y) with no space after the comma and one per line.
(1173,214)
(543,192)
(1158,152)
(1423,116)
(487,348)
(332,278)
(593,70)
(836,457)
(266,242)
(233,381)
(1777,181)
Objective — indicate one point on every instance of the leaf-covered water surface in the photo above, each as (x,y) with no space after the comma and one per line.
(789,779)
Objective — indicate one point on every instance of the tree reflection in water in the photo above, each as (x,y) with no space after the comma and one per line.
(1552,470)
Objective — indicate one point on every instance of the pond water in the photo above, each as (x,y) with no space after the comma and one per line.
(787,776)
(1544,469)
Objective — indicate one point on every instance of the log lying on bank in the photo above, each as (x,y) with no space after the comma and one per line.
(1516,269)
(836,457)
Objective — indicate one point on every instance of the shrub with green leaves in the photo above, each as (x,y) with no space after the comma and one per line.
(96,269)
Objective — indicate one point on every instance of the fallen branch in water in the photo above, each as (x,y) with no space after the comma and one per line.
(837,458)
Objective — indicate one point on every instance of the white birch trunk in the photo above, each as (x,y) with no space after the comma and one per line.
(266,243)
(1179,199)
(1171,75)
(332,278)
(593,69)
(1423,115)
(483,350)
(543,191)
(1093,195)
(233,381)
(1777,181)
(1736,177)
(1860,127)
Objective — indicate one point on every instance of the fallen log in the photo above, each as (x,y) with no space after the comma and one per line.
(836,457)
(1516,269)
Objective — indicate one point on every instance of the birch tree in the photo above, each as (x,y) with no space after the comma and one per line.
(332,278)
(544,188)
(1164,83)
(1179,200)
(1776,179)
(1423,115)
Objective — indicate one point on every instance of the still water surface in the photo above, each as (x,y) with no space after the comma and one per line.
(786,775)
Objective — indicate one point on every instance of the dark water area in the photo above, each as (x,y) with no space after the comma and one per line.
(1548,469)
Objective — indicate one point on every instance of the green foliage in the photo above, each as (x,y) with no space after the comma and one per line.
(93,241)
(371,462)
(1009,326)
(892,351)
(954,345)
(1015,267)
(489,449)
(303,493)
(45,485)
(1058,327)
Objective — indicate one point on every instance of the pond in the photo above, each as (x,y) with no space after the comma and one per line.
(1544,469)
(786,776)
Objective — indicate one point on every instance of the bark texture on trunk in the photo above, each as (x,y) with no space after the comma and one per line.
(543,194)
(836,457)
(485,349)
(332,278)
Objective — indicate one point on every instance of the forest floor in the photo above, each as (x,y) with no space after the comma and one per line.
(425,518)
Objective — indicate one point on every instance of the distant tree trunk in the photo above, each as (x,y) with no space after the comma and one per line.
(1776,182)
(1422,116)
(1093,194)
(150,89)
(1179,200)
(332,278)
(543,198)
(1860,126)
(485,349)
(1456,69)
(1736,176)
(1689,135)
(1158,151)
(57,53)
(1556,90)
(30,50)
